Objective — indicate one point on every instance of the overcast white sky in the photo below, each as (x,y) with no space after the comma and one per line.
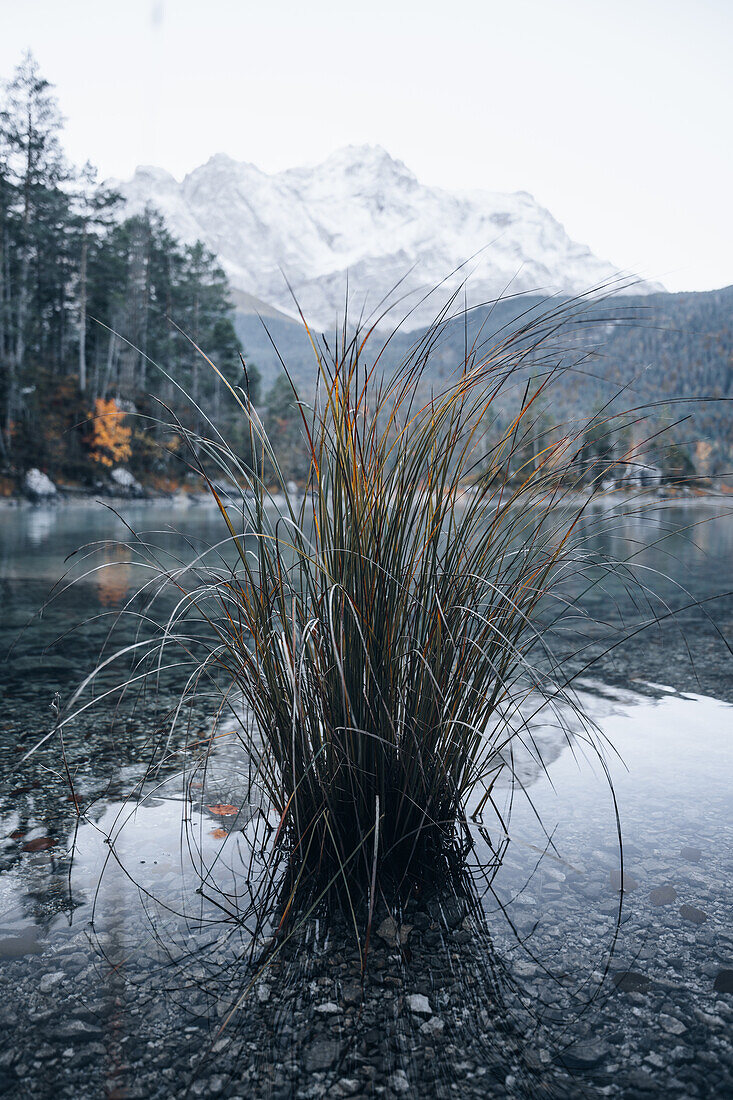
(615,114)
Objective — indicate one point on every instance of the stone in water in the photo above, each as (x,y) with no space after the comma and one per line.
(663,895)
(629,981)
(630,882)
(724,982)
(691,913)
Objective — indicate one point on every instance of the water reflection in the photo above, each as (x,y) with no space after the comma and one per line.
(40,524)
(500,985)
(524,970)
(115,574)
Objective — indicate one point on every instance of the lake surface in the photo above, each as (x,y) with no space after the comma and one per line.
(122,974)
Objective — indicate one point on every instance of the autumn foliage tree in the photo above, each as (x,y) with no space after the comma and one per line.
(110,436)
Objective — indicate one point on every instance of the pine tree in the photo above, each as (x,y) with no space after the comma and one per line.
(90,305)
(34,170)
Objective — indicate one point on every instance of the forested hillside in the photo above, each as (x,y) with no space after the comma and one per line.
(669,356)
(91,306)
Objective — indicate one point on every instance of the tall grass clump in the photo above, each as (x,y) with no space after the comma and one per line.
(383,627)
(380,636)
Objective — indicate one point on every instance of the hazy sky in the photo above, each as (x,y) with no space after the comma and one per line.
(614,115)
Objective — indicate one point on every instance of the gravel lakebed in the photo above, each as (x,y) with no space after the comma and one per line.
(555,998)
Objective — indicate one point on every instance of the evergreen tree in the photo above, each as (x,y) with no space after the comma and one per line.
(91,305)
(35,212)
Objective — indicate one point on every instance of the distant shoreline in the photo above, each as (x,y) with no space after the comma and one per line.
(183,499)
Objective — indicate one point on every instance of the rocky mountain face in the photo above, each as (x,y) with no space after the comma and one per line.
(362,216)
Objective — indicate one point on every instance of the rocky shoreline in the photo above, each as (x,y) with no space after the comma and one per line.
(38,489)
(437,1014)
(560,1001)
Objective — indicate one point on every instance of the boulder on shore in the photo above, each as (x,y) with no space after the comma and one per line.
(125,483)
(38,486)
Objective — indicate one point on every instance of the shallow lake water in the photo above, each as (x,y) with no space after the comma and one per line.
(125,979)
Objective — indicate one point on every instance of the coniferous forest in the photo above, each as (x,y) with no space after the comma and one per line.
(99,315)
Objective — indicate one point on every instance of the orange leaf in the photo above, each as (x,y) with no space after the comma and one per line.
(219,834)
(223,810)
(40,844)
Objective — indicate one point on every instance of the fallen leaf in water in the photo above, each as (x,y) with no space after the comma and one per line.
(18,834)
(40,844)
(219,834)
(223,810)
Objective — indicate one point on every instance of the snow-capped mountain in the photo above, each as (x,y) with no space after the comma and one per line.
(363,213)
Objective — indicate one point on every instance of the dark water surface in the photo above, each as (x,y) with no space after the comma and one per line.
(130,983)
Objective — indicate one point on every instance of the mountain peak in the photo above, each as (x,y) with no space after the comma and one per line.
(365,158)
(220,160)
(362,215)
(155,175)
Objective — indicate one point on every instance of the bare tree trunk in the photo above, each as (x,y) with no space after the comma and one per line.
(5,355)
(83,313)
(111,355)
(3,284)
(17,366)
(195,368)
(145,318)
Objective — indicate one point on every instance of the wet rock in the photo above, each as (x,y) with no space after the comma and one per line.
(524,969)
(629,882)
(399,1082)
(348,1085)
(393,934)
(328,1008)
(454,913)
(75,962)
(663,895)
(584,1055)
(724,981)
(77,1031)
(45,1052)
(321,1055)
(352,993)
(536,1060)
(419,1004)
(433,1027)
(694,855)
(689,912)
(49,981)
(641,1081)
(630,981)
(672,1025)
(372,1036)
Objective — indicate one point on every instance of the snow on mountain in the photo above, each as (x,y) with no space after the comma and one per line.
(363,214)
